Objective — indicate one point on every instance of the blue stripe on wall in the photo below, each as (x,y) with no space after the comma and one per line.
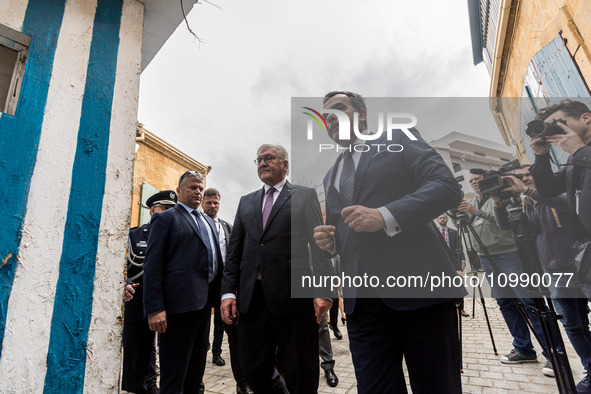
(66,357)
(20,135)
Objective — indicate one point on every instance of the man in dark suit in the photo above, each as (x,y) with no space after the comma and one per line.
(181,284)
(379,207)
(452,240)
(271,242)
(139,355)
(211,206)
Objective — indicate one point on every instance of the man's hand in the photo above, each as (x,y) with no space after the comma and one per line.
(321,306)
(517,187)
(539,146)
(569,142)
(130,291)
(363,219)
(465,206)
(324,237)
(157,322)
(229,310)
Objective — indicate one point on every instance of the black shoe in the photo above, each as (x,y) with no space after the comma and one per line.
(331,378)
(243,389)
(218,360)
(335,330)
(153,390)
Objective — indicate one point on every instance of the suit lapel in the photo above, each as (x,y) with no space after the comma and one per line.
(281,200)
(258,208)
(225,228)
(188,218)
(212,227)
(331,190)
(361,169)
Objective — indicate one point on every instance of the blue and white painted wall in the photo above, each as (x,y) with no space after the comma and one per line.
(66,165)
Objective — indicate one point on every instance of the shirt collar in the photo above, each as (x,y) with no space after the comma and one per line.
(278,186)
(188,208)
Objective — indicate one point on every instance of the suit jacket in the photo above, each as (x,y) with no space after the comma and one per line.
(176,264)
(227,229)
(576,176)
(282,247)
(415,185)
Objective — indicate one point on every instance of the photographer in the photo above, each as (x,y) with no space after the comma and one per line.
(567,125)
(551,223)
(503,251)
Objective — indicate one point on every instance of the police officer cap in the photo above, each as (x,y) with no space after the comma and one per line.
(166,197)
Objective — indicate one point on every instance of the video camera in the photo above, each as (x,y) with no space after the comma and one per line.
(541,129)
(492,181)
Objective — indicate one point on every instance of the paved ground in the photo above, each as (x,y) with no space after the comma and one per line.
(483,372)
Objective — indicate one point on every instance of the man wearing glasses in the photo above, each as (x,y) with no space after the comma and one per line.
(273,235)
(182,275)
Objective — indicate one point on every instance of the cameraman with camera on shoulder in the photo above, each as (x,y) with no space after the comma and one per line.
(502,249)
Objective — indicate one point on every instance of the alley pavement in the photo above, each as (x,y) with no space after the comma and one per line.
(483,372)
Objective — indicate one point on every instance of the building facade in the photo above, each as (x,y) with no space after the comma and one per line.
(69,86)
(538,52)
(158,166)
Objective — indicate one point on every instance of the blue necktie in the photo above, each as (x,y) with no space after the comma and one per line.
(347,181)
(208,240)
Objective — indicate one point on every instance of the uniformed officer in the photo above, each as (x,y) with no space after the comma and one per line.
(139,356)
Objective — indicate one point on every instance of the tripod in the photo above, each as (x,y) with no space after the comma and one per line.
(464,226)
(552,342)
(554,345)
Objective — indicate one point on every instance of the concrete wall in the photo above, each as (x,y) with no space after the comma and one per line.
(67,163)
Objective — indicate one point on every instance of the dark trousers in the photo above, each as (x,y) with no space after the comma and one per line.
(218,332)
(427,338)
(267,341)
(139,364)
(234,362)
(334,312)
(183,351)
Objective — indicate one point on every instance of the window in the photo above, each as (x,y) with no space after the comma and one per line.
(146,192)
(552,75)
(14,48)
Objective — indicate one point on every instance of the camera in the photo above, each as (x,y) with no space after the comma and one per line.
(492,182)
(541,129)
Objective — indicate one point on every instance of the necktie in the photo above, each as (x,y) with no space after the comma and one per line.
(347,181)
(208,241)
(268,205)
(443,233)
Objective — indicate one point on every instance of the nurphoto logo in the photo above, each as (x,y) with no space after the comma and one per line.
(345,129)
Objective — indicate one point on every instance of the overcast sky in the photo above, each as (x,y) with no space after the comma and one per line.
(219,100)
